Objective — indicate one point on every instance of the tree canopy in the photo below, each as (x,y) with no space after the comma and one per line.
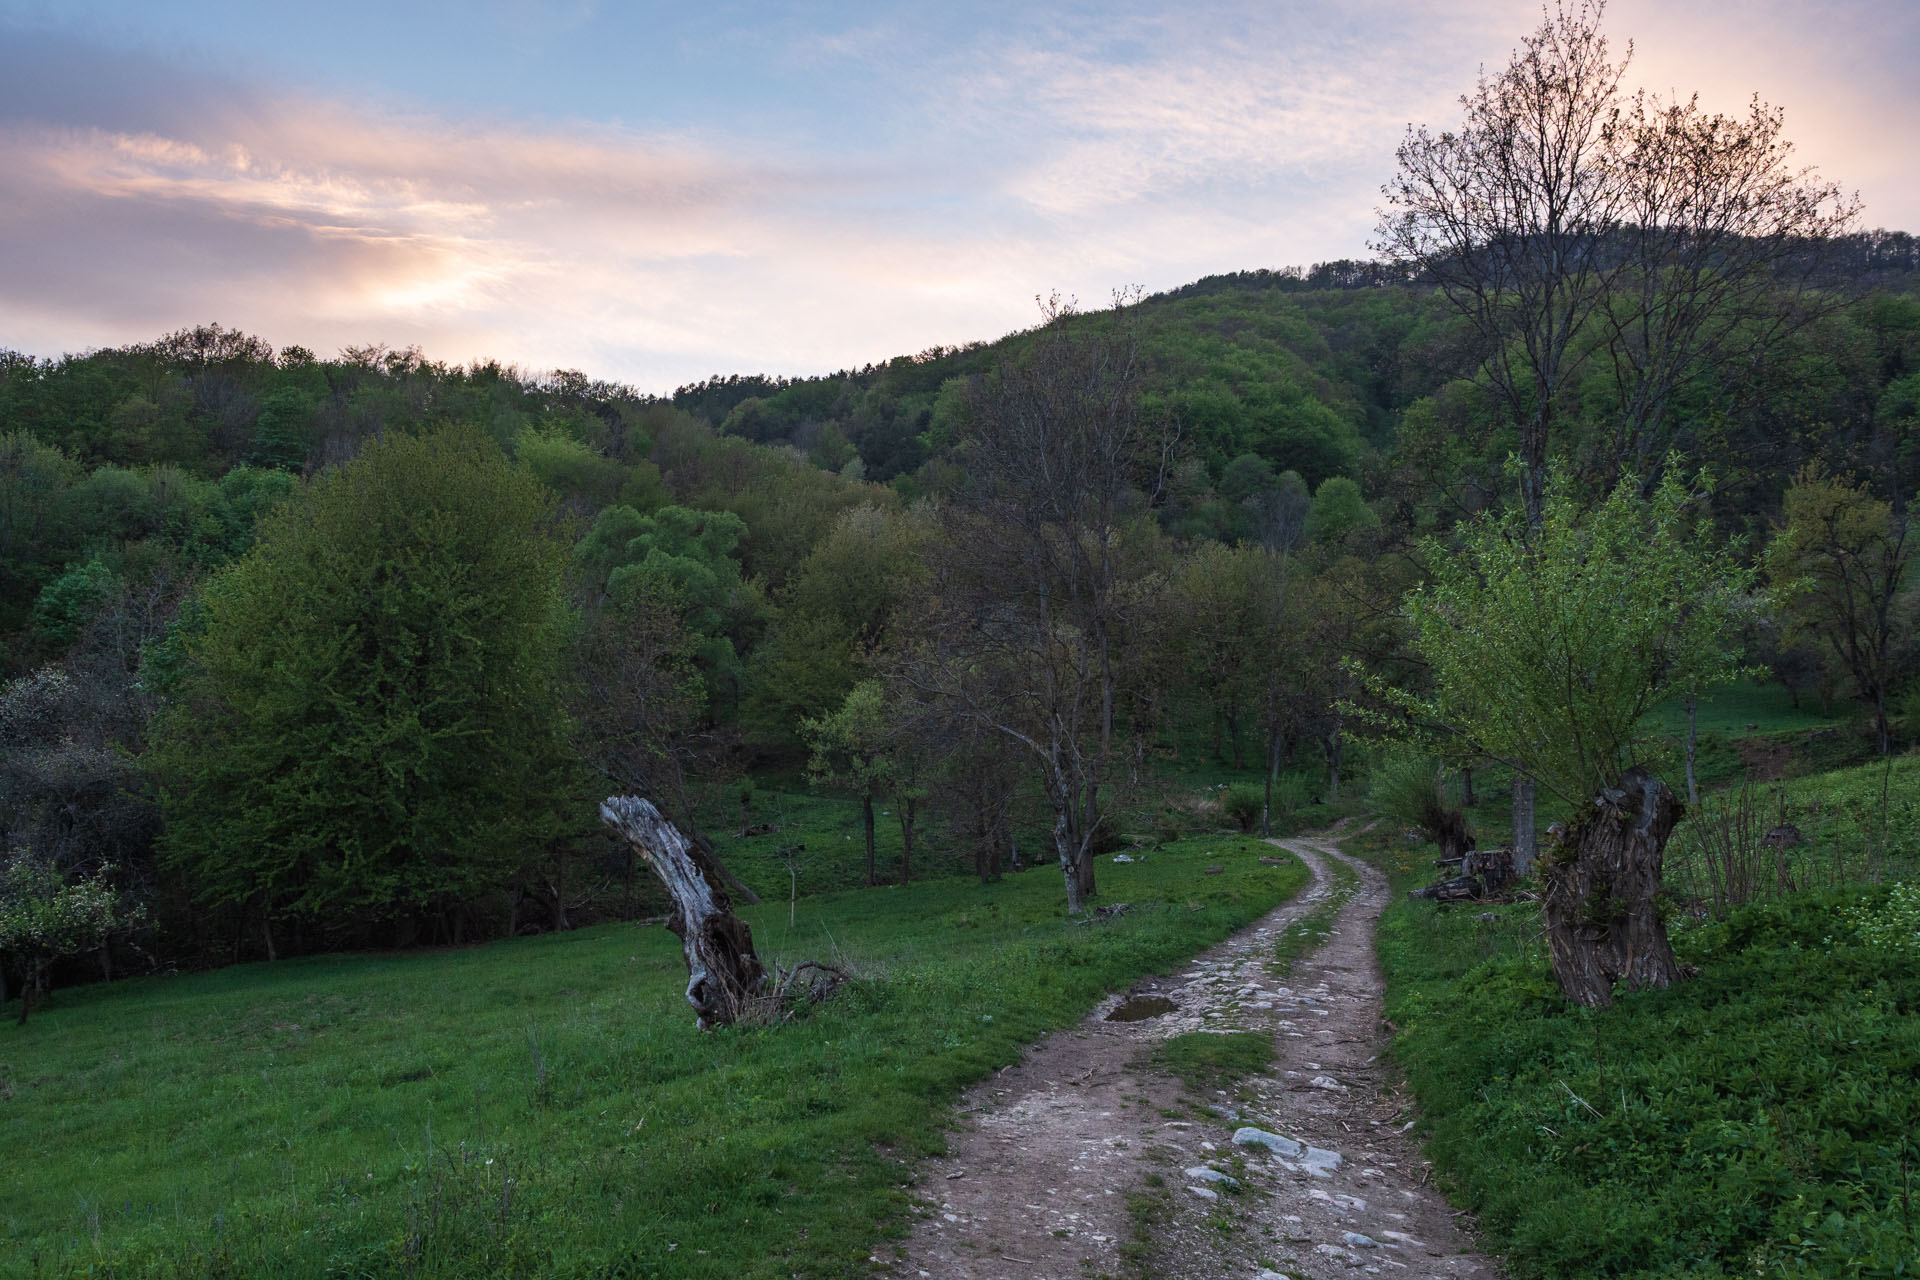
(370,718)
(1548,651)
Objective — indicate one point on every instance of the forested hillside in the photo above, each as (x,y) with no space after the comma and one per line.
(312,652)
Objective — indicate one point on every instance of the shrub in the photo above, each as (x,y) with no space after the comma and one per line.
(1243,805)
(1406,787)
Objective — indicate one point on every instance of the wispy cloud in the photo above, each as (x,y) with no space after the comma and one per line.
(1055,145)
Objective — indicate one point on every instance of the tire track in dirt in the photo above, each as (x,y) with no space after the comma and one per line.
(1082,1161)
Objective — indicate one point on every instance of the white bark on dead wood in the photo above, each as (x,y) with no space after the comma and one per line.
(724,976)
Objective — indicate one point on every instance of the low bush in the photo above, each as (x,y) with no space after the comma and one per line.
(1243,806)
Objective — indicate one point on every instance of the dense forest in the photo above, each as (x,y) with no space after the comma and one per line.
(313,652)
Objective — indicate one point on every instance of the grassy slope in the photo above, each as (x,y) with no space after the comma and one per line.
(545,1107)
(1758,1120)
(1849,838)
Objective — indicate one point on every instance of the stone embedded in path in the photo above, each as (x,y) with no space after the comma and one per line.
(1252,1137)
(1338,1254)
(1355,1240)
(1204,1174)
(1328,1083)
(1205,1193)
(1317,1161)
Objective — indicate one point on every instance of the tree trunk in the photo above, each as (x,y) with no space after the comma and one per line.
(1693,739)
(1466,787)
(1452,835)
(1526,845)
(723,973)
(29,986)
(1069,851)
(1601,880)
(1336,744)
(559,887)
(866,826)
(907,806)
(1273,774)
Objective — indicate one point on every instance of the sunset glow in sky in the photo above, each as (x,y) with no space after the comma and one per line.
(657,192)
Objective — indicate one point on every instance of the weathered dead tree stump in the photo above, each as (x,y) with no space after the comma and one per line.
(724,976)
(1600,884)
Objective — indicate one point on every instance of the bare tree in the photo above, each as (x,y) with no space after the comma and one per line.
(1566,216)
(1720,237)
(1037,575)
(1509,217)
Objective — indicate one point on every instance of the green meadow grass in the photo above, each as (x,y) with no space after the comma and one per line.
(1761,1119)
(1206,1060)
(1848,837)
(1767,708)
(544,1107)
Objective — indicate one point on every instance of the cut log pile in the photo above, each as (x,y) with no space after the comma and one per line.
(1478,874)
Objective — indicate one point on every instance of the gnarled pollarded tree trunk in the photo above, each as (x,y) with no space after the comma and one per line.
(1601,881)
(724,976)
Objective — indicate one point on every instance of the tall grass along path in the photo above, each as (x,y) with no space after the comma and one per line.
(1232,1120)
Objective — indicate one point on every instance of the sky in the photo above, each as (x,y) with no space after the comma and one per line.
(655,193)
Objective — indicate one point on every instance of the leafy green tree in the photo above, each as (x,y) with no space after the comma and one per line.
(841,610)
(570,467)
(44,917)
(1230,602)
(1840,564)
(852,753)
(285,432)
(1547,651)
(1339,512)
(369,721)
(69,602)
(682,555)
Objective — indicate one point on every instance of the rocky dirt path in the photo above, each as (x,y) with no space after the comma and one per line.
(1084,1161)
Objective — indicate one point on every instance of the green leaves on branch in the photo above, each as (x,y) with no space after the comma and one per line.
(369,719)
(1547,647)
(44,917)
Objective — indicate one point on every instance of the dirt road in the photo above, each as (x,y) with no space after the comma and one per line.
(1084,1160)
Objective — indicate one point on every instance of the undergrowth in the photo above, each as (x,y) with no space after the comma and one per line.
(1758,1120)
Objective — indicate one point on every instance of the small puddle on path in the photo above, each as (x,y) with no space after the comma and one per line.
(1140,1008)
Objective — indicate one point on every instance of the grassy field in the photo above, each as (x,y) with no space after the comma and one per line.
(1758,1120)
(1720,856)
(1751,708)
(544,1107)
